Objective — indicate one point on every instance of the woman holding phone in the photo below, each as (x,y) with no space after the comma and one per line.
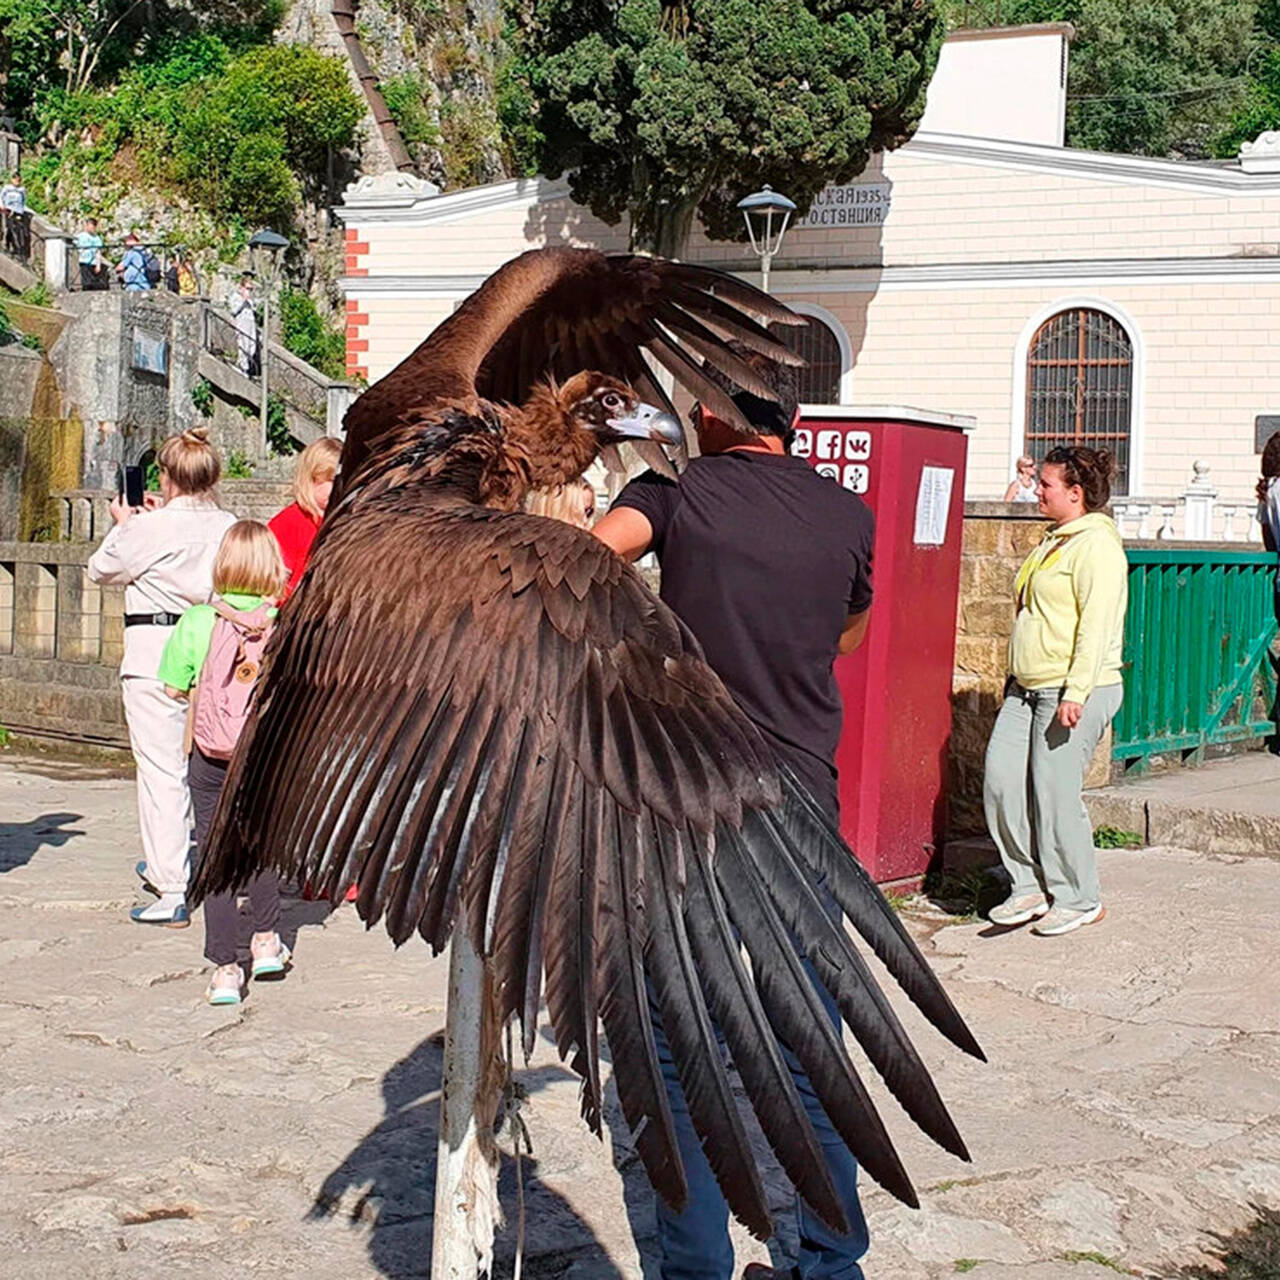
(163,556)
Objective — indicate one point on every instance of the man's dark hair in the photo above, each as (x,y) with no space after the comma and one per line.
(768,417)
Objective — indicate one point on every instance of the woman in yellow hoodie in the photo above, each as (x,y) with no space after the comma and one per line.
(1064,689)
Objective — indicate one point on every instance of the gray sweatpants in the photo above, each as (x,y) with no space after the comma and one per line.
(1032,792)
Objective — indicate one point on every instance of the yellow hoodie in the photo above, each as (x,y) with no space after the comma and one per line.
(1071,595)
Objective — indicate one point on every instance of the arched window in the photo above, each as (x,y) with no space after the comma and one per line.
(819,381)
(1080,386)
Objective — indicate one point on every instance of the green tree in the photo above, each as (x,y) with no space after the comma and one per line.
(667,110)
(309,337)
(1260,110)
(1149,76)
(249,141)
(63,47)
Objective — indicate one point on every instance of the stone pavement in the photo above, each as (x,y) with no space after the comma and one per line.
(1226,806)
(1131,1105)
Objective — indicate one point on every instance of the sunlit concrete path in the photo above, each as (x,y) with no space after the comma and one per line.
(1131,1105)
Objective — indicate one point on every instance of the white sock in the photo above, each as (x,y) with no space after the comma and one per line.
(171,900)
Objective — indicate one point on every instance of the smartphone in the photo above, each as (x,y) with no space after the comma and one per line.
(129,485)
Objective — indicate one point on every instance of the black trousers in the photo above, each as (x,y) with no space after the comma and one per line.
(226,930)
(92,278)
(17,233)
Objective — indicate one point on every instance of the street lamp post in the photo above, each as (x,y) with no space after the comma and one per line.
(267,245)
(767,215)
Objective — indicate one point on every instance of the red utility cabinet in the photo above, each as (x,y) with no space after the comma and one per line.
(908,466)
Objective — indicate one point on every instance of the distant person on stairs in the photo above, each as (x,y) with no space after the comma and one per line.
(93,268)
(248,360)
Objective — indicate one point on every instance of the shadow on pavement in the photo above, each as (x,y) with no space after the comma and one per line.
(393,1168)
(20,841)
(1252,1253)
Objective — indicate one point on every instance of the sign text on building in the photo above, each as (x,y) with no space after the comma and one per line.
(861,204)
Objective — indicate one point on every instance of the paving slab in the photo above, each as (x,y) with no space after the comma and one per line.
(1225,806)
(1130,1107)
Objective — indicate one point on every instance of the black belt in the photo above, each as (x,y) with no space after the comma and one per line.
(151,619)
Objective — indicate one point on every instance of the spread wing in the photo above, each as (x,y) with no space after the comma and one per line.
(516,735)
(557,312)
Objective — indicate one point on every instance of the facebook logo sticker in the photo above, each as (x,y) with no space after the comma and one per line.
(829,444)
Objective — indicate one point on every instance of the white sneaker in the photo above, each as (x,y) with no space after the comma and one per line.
(1064,920)
(226,986)
(169,910)
(1018,909)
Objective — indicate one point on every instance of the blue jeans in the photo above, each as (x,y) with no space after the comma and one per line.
(695,1243)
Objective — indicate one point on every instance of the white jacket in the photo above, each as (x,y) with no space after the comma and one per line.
(164,560)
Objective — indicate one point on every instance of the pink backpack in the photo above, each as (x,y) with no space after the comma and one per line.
(228,677)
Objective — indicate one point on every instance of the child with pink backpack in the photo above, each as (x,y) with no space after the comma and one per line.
(213,658)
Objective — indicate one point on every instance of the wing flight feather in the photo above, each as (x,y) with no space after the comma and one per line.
(532,745)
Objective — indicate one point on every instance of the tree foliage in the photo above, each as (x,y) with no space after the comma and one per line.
(67,46)
(666,110)
(1155,77)
(245,136)
(305,333)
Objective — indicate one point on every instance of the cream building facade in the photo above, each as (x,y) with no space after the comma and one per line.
(982,269)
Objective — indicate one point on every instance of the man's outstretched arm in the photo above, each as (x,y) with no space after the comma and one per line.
(625,531)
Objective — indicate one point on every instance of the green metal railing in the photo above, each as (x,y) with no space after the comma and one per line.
(1198,668)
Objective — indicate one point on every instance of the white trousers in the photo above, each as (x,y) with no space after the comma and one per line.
(157,725)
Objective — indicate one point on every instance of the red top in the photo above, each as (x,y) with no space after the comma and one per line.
(295,531)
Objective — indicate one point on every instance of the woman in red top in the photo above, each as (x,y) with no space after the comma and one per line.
(295,527)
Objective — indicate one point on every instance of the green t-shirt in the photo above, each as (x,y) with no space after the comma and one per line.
(188,646)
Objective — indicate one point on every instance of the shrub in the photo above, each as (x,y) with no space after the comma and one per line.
(239,465)
(279,441)
(306,334)
(406,99)
(39,295)
(202,397)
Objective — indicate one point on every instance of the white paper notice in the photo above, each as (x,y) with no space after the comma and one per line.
(933,503)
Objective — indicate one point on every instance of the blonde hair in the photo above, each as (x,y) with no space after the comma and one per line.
(1026,461)
(318,461)
(190,461)
(567,502)
(249,562)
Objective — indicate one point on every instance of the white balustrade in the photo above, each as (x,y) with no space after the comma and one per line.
(1199,497)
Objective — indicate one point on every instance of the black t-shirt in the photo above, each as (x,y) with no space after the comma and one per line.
(764,560)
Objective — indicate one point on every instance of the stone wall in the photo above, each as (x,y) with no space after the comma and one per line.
(61,639)
(997,538)
(62,636)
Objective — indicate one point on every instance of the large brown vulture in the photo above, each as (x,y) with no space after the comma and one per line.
(483,716)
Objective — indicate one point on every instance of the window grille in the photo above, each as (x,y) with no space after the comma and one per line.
(819,381)
(1080,387)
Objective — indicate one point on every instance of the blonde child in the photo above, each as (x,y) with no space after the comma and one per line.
(574,503)
(212,658)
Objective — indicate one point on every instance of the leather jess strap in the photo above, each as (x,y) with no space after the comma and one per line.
(151,619)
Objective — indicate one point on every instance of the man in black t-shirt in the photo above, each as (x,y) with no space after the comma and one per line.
(769,565)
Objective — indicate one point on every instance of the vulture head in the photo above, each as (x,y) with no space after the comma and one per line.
(563,426)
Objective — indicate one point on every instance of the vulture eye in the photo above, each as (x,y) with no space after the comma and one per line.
(612,401)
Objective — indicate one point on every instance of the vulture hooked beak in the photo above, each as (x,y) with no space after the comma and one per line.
(649,423)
